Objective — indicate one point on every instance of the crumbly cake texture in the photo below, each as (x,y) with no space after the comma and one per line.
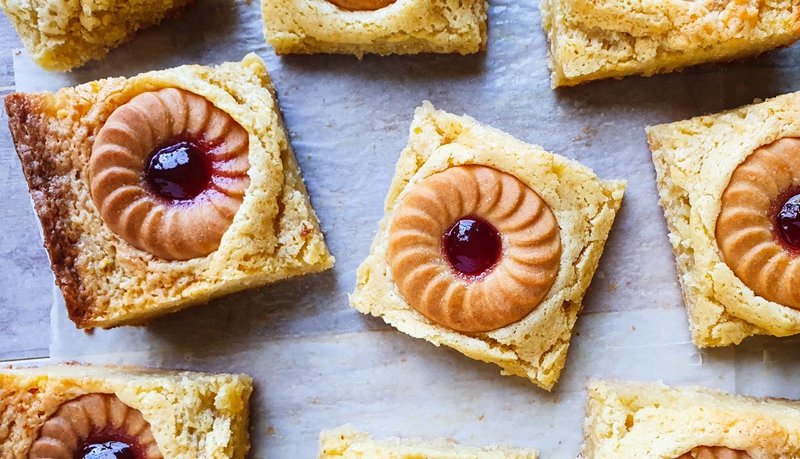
(61,35)
(404,27)
(694,160)
(348,443)
(191,415)
(594,39)
(626,419)
(535,347)
(107,282)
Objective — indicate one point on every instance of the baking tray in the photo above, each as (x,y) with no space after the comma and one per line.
(317,363)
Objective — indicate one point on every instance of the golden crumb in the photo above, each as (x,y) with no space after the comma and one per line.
(404,27)
(347,443)
(106,281)
(628,419)
(190,414)
(584,206)
(594,39)
(694,161)
(61,35)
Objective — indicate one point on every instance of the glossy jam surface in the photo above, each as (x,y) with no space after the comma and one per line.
(787,220)
(472,246)
(110,444)
(179,171)
(107,450)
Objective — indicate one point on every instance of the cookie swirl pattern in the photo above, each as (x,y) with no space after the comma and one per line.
(524,274)
(170,229)
(745,231)
(94,418)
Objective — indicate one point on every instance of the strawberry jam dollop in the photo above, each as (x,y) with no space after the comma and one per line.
(787,221)
(472,246)
(178,172)
(107,450)
(110,443)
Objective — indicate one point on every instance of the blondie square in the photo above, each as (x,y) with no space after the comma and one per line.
(539,222)
(348,443)
(165,190)
(61,35)
(629,419)
(721,180)
(594,39)
(375,26)
(66,410)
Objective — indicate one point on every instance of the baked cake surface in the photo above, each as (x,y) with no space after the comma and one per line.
(106,281)
(401,27)
(347,442)
(190,415)
(694,161)
(627,419)
(61,35)
(534,347)
(594,39)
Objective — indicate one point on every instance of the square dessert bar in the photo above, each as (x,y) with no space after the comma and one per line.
(347,442)
(628,419)
(72,410)
(487,246)
(375,26)
(165,190)
(720,180)
(61,35)
(594,39)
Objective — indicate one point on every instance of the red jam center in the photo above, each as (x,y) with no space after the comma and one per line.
(472,246)
(109,444)
(107,450)
(179,171)
(787,221)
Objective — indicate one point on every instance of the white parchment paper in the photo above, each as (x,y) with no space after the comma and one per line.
(316,362)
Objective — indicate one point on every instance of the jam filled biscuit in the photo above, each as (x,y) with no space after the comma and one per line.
(164,190)
(500,243)
(375,26)
(630,419)
(95,412)
(348,443)
(729,187)
(487,246)
(95,426)
(757,228)
(168,173)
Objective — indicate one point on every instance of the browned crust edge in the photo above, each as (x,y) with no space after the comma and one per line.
(49,191)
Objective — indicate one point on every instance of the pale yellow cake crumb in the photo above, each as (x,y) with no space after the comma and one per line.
(107,282)
(594,39)
(584,206)
(694,160)
(191,415)
(404,27)
(62,34)
(348,443)
(650,420)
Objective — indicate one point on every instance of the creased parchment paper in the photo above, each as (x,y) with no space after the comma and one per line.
(316,362)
